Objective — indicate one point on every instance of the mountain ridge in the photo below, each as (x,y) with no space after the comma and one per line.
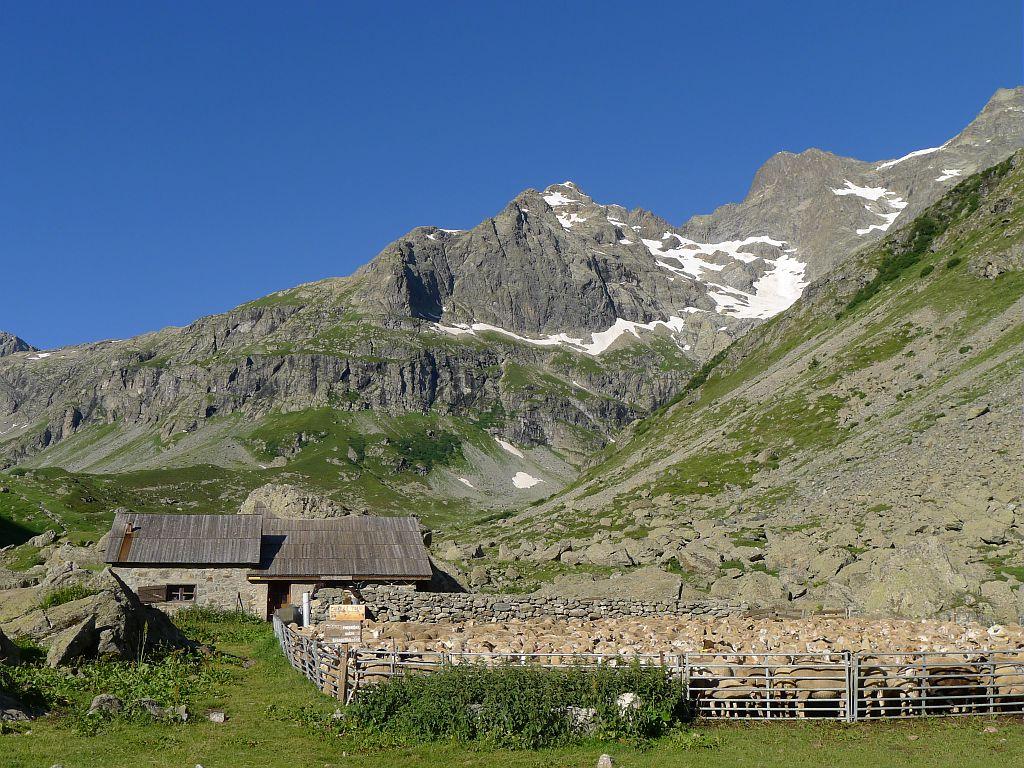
(552,326)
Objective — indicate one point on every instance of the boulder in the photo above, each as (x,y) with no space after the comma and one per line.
(608,553)
(1003,600)
(74,642)
(291,501)
(552,552)
(9,652)
(44,539)
(111,623)
(12,709)
(478,576)
(917,580)
(105,704)
(789,550)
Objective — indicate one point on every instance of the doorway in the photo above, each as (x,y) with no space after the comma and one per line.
(277,596)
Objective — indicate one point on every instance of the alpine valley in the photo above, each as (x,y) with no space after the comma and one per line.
(809,398)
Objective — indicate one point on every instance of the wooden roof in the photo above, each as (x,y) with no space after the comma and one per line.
(355,547)
(185,539)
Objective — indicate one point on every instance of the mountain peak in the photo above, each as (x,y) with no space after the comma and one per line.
(566,193)
(9,344)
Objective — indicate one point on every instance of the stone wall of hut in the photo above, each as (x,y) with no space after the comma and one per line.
(223,588)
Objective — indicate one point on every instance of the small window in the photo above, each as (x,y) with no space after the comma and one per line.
(181,593)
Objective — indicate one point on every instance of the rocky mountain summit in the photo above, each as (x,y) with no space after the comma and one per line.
(9,344)
(827,207)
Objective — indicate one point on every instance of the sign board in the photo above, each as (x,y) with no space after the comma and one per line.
(350,632)
(346,612)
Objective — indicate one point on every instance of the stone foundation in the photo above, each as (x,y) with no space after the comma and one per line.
(389,603)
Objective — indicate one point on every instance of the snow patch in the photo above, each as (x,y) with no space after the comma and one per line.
(525,480)
(868,193)
(40,355)
(466,482)
(567,220)
(599,340)
(949,173)
(882,198)
(688,253)
(774,291)
(506,445)
(915,153)
(557,199)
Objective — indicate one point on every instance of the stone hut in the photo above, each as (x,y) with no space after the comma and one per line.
(257,563)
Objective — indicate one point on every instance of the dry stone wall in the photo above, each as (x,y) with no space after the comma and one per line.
(388,603)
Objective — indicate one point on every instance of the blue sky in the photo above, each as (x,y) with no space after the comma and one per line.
(165,160)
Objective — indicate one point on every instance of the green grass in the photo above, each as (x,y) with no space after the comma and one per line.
(66,594)
(22,558)
(276,719)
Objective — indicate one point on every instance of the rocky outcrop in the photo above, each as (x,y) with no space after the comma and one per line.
(9,344)
(289,501)
(9,652)
(112,623)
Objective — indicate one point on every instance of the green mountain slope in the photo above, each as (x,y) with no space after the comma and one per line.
(861,449)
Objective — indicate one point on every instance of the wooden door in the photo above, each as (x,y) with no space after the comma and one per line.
(277,595)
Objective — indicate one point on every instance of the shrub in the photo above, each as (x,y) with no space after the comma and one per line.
(519,707)
(66,594)
(701,376)
(953,263)
(927,270)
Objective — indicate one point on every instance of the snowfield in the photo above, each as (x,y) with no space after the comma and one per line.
(525,480)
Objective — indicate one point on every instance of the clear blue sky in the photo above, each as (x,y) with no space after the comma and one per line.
(165,160)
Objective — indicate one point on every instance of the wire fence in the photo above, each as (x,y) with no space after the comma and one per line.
(838,685)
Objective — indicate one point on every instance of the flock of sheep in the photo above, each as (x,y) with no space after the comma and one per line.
(742,667)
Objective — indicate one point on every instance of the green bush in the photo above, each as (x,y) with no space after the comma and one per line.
(519,707)
(927,270)
(953,263)
(67,594)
